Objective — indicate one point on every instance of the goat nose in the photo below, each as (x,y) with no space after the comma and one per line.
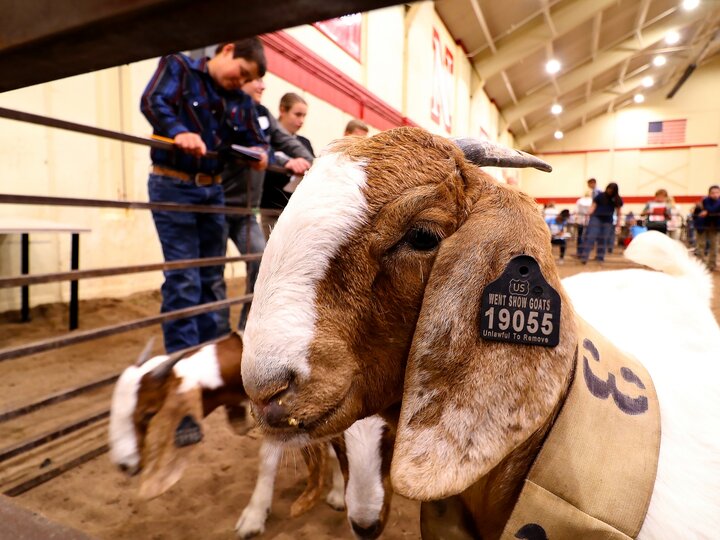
(276,414)
(369,532)
(277,411)
(270,386)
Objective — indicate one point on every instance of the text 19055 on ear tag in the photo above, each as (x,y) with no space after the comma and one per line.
(520,306)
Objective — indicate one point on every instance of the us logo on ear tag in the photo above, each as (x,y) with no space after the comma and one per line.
(520,306)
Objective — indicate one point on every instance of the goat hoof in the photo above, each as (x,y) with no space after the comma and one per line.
(251,523)
(336,501)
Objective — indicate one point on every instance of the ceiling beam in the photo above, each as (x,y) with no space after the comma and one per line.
(47,40)
(604,61)
(548,17)
(597,101)
(483,25)
(641,18)
(534,35)
(595,39)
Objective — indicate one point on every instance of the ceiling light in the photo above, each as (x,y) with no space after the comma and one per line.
(553,66)
(672,37)
(556,108)
(659,60)
(648,81)
(690,4)
(558,134)
(639,98)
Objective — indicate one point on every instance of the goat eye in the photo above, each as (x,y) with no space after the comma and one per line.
(421,239)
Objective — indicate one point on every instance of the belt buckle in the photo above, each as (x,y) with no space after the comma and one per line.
(198,179)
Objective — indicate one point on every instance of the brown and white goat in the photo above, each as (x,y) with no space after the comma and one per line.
(157,407)
(368,296)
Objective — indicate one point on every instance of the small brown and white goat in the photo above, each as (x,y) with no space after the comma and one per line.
(157,407)
(368,296)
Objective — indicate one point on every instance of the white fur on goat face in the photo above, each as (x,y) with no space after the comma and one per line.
(123,436)
(328,207)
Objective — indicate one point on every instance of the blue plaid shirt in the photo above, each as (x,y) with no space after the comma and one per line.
(182,97)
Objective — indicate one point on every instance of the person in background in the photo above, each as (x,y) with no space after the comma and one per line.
(604,209)
(657,213)
(592,189)
(696,224)
(200,105)
(357,128)
(557,230)
(582,215)
(710,213)
(549,210)
(243,188)
(277,188)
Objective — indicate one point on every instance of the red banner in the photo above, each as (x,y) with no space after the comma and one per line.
(345,31)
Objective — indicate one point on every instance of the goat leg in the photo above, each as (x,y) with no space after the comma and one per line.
(316,459)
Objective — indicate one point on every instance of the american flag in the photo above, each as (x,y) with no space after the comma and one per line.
(666,132)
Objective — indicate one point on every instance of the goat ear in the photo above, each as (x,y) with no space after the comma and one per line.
(172,435)
(146,353)
(469,402)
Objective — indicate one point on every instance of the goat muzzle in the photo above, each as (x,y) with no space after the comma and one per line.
(276,414)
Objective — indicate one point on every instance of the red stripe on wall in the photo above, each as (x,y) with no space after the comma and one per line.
(636,149)
(298,65)
(632,199)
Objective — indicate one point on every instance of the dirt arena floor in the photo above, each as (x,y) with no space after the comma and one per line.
(98,500)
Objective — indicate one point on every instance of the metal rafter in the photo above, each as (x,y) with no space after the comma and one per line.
(597,101)
(534,35)
(641,17)
(483,25)
(595,40)
(550,53)
(604,61)
(508,86)
(511,91)
(548,17)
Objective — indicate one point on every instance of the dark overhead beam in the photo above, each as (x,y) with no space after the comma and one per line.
(45,40)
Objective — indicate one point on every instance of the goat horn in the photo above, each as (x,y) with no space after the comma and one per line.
(146,353)
(161,371)
(488,154)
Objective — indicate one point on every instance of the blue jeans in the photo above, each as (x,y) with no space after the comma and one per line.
(189,235)
(245,233)
(596,232)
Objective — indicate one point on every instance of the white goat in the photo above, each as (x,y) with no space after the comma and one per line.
(368,296)
(155,419)
(664,319)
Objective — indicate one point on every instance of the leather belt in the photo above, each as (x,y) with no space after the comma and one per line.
(199,179)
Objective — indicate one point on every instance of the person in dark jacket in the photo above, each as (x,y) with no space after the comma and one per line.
(243,187)
(710,214)
(200,106)
(600,227)
(276,188)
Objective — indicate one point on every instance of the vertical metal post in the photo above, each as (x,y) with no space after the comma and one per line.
(25,269)
(74,265)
